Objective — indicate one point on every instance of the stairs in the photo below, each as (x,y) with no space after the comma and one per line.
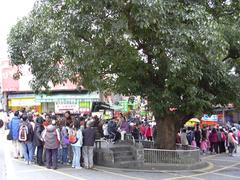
(124,157)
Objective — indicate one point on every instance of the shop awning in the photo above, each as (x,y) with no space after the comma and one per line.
(68,98)
(116,108)
(22,96)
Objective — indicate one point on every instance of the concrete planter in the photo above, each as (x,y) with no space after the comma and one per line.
(134,156)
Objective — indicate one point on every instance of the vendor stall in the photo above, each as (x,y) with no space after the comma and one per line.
(209,120)
(192,122)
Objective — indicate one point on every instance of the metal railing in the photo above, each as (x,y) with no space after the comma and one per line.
(185,147)
(152,145)
(157,156)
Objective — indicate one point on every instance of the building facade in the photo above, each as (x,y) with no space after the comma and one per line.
(17,94)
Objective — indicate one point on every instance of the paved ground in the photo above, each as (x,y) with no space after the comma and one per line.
(221,167)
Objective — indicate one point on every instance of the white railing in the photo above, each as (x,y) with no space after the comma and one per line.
(158,156)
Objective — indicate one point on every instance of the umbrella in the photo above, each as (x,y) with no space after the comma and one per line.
(195,120)
(192,122)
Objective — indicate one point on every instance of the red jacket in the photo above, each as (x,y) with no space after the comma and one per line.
(142,129)
(148,132)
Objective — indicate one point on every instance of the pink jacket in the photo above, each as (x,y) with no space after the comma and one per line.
(213,137)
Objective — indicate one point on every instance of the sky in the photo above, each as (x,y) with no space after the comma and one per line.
(10,12)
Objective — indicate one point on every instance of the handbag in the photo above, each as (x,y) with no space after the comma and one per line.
(9,136)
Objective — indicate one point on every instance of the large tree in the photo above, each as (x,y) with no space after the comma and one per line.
(178,54)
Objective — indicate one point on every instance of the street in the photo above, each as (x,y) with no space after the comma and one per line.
(220,167)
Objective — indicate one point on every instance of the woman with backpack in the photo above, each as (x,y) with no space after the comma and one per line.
(26,139)
(76,140)
(213,138)
(51,136)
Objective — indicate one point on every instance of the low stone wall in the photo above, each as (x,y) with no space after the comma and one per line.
(135,156)
(138,151)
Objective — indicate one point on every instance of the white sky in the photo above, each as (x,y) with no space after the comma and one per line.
(10,12)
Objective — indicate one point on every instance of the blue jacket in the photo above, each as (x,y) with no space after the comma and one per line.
(14,127)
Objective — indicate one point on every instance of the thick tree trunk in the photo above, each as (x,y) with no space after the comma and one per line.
(166,133)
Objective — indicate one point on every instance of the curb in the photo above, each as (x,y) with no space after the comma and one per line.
(201,166)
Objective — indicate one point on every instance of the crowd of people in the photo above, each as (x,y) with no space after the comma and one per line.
(45,138)
(211,140)
(49,139)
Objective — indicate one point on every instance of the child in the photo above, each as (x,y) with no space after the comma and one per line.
(193,144)
(204,146)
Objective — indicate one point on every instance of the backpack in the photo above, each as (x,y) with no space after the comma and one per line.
(72,136)
(23,132)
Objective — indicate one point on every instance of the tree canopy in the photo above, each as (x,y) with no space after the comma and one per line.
(182,54)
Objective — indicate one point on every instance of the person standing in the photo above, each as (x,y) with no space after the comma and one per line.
(105,130)
(112,130)
(142,131)
(213,138)
(51,136)
(68,119)
(148,132)
(26,139)
(38,140)
(135,133)
(32,122)
(235,133)
(222,143)
(184,140)
(76,147)
(197,136)
(204,145)
(124,127)
(190,135)
(232,142)
(89,135)
(64,143)
(13,127)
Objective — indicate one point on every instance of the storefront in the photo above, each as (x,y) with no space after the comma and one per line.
(75,103)
(207,120)
(20,101)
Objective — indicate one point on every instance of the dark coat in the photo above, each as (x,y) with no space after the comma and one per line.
(89,136)
(112,127)
(37,139)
